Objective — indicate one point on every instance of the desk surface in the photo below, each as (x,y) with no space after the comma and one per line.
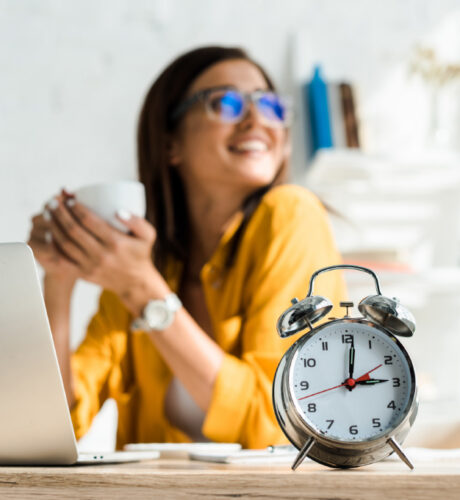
(192,480)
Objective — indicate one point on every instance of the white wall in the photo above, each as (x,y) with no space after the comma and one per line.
(73,75)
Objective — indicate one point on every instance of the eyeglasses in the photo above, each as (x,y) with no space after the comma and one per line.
(230,106)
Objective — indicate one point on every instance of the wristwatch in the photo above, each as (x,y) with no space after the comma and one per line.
(158,314)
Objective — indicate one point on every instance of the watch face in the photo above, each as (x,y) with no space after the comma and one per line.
(156,313)
(351,381)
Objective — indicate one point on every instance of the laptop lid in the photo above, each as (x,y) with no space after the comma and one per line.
(35,424)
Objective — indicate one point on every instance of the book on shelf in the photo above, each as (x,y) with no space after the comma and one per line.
(331,114)
(349,115)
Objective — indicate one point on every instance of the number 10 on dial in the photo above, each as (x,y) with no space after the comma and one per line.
(345,393)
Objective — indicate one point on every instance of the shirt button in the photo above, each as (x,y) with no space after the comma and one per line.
(216,284)
(215,278)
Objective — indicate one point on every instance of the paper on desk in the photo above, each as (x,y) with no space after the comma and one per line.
(184,450)
(288,454)
(270,455)
(428,454)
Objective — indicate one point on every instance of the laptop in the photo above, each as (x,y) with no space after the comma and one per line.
(35,424)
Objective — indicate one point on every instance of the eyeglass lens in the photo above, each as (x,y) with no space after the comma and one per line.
(271,107)
(230,106)
(227,105)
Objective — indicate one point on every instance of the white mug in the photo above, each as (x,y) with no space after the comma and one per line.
(106,199)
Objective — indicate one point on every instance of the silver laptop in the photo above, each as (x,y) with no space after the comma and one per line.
(35,424)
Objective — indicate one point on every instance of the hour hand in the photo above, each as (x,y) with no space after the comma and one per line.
(371,381)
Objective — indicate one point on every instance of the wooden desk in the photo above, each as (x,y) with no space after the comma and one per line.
(165,479)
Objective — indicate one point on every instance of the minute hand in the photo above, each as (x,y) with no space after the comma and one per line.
(351,361)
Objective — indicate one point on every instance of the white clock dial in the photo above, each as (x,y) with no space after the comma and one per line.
(358,406)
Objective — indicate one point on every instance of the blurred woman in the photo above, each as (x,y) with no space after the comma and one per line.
(185,336)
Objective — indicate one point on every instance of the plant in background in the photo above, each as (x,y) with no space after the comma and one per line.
(437,75)
(426,64)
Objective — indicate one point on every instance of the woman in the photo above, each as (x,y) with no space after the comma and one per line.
(223,250)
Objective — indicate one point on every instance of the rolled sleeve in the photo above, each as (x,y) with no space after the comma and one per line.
(233,391)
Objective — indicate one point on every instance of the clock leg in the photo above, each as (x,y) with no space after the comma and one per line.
(398,450)
(303,453)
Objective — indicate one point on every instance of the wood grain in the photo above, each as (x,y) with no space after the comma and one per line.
(180,479)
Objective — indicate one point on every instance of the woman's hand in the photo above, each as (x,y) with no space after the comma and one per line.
(106,256)
(47,252)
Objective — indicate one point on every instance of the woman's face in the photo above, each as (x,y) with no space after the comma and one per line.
(210,154)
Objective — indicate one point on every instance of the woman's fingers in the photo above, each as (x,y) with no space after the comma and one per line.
(43,251)
(50,257)
(64,234)
(40,230)
(97,226)
(47,252)
(79,236)
(41,234)
(137,225)
(39,221)
(67,247)
(46,215)
(69,238)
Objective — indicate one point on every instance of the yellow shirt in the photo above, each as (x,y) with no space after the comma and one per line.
(286,240)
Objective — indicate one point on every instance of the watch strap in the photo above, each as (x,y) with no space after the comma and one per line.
(173,302)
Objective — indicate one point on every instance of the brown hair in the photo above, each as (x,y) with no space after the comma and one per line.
(166,198)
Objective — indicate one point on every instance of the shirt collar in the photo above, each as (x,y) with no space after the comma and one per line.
(174,266)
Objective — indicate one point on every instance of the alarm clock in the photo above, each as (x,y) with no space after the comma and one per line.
(345,392)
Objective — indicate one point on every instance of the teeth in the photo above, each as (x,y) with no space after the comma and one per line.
(253,145)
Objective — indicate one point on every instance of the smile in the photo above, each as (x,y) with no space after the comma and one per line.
(249,146)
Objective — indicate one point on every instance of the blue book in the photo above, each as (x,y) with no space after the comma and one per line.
(318,112)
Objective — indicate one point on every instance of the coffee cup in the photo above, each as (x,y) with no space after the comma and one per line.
(106,199)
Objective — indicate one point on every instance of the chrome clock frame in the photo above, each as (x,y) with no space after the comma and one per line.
(327,450)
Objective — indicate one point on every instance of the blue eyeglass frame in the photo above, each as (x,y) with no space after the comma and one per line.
(201,95)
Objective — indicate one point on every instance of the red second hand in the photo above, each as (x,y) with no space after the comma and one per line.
(325,390)
(366,375)
(363,377)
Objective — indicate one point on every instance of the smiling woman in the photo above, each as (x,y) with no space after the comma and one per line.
(184,339)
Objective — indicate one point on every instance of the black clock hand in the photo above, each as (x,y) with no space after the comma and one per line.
(350,383)
(371,381)
(351,360)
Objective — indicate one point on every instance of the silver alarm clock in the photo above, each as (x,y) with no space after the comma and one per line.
(345,393)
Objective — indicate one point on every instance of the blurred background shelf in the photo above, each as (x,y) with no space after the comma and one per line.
(401,218)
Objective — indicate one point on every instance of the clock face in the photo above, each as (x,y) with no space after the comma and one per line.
(351,382)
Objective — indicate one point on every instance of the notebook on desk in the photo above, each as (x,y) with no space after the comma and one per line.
(35,424)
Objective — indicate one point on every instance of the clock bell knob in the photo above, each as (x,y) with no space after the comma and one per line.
(347,305)
(294,300)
